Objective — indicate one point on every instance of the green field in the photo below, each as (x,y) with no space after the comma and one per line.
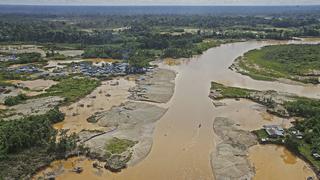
(305,151)
(231,92)
(72,88)
(118,146)
(283,61)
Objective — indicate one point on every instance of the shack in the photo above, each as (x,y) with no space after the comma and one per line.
(274,131)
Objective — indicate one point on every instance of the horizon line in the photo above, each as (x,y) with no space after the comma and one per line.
(135,5)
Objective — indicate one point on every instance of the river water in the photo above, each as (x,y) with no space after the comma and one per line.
(181,149)
(269,161)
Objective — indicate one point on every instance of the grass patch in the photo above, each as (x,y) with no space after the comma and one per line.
(305,151)
(118,146)
(261,134)
(72,88)
(199,48)
(231,92)
(6,76)
(256,76)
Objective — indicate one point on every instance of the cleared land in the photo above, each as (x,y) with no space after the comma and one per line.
(156,86)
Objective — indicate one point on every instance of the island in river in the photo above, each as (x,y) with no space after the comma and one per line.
(296,62)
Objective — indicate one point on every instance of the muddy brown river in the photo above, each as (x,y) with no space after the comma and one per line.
(181,150)
(277,158)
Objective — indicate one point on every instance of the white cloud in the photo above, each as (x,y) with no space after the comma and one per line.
(163,2)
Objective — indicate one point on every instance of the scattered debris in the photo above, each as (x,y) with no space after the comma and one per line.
(105,69)
(218,103)
(97,165)
(115,83)
(77,170)
(157,86)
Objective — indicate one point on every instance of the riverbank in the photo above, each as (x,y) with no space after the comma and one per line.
(157,86)
(132,121)
(279,104)
(229,161)
(103,129)
(236,114)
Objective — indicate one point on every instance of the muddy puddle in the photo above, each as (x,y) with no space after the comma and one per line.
(183,138)
(276,162)
(102,98)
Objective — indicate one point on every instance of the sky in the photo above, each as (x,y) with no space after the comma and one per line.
(161,2)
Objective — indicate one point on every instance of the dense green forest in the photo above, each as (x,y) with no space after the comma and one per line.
(24,133)
(121,36)
(309,109)
(31,142)
(97,29)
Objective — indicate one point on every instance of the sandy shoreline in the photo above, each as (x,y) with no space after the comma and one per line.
(230,158)
(236,156)
(131,119)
